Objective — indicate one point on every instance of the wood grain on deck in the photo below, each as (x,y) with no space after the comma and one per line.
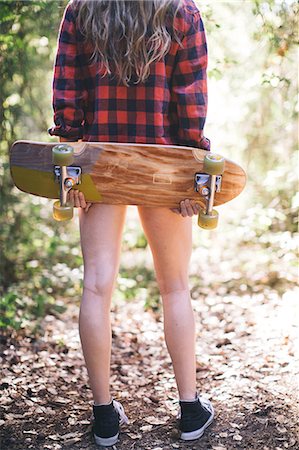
(138,174)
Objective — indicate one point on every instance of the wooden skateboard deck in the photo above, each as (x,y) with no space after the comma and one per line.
(116,173)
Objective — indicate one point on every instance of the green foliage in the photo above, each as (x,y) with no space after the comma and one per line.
(257,75)
(26,48)
(274,133)
(279,24)
(9,306)
(29,244)
(32,275)
(252,74)
(138,282)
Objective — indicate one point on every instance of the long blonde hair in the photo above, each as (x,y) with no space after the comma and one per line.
(127,35)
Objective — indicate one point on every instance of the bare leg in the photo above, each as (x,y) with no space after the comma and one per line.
(170,239)
(101,230)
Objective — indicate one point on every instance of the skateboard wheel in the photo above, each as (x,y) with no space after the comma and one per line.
(213,164)
(62,213)
(208,221)
(62,155)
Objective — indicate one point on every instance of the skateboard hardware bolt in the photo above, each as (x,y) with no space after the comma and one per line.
(205,191)
(203,180)
(69,183)
(74,173)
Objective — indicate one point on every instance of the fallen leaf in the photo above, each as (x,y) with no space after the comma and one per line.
(235,425)
(71,436)
(223,434)
(72,440)
(52,390)
(263,420)
(156,421)
(134,435)
(60,400)
(237,437)
(281,429)
(54,437)
(146,428)
(281,418)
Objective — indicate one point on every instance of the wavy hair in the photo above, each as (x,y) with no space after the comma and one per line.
(127,36)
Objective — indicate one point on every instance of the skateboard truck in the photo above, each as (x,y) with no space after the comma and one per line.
(207,184)
(63,156)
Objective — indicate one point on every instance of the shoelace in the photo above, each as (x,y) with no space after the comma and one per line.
(206,403)
(119,408)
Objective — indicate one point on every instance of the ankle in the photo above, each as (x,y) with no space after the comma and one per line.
(102,400)
(189,397)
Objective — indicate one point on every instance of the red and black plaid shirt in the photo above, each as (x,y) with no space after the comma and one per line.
(169,108)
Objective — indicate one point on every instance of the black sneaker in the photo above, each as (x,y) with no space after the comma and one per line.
(194,418)
(107,420)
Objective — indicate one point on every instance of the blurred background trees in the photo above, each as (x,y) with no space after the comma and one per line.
(252,119)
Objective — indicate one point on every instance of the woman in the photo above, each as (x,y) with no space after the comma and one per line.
(134,71)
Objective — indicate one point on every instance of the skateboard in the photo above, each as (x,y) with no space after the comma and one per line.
(126,174)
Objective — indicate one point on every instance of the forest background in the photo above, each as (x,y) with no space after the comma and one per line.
(250,260)
(252,119)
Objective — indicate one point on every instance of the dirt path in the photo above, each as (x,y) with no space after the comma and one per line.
(245,364)
(245,301)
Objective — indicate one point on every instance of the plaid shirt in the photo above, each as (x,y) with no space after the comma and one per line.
(169,108)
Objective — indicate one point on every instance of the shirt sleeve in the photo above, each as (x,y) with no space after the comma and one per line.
(189,85)
(68,85)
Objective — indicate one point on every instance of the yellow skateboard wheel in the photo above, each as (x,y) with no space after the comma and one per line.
(62,155)
(62,213)
(213,164)
(208,221)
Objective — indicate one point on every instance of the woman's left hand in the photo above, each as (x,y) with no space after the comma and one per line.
(78,200)
(187,208)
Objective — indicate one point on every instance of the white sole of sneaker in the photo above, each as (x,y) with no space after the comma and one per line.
(106,442)
(196,434)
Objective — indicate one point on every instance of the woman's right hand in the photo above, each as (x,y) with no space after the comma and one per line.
(188,208)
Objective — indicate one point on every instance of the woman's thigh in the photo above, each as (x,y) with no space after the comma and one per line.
(101,235)
(170,239)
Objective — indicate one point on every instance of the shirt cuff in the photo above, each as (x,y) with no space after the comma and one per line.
(66,131)
(205,144)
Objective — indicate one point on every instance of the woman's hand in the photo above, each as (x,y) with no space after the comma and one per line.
(187,208)
(74,196)
(78,200)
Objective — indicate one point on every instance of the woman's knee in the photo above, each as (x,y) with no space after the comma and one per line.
(100,282)
(173,288)
(102,291)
